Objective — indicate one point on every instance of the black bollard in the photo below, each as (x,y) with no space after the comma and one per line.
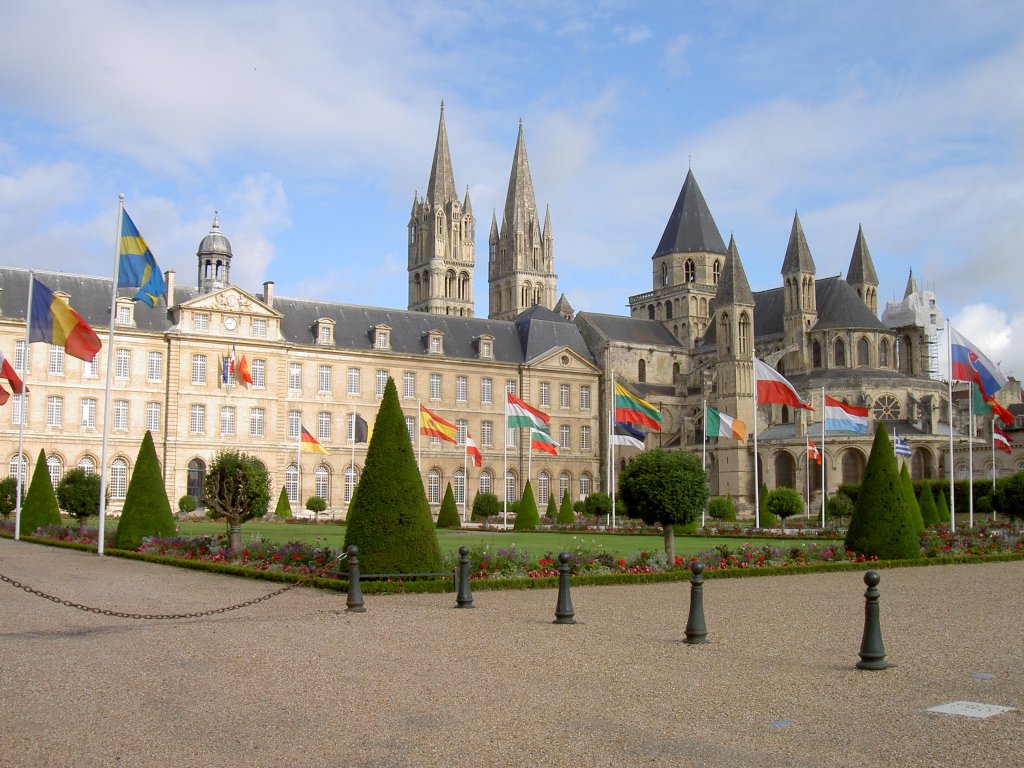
(563,610)
(696,631)
(872,652)
(464,597)
(354,603)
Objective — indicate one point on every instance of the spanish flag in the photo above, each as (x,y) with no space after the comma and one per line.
(433,425)
(136,267)
(54,322)
(311,445)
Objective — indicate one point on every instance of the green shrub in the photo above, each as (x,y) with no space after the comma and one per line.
(850,491)
(316,505)
(485,505)
(926,503)
(598,504)
(237,489)
(766,518)
(983,506)
(9,495)
(146,511)
(839,507)
(1009,496)
(941,506)
(187,504)
(908,492)
(566,514)
(527,518)
(448,517)
(784,502)
(552,509)
(40,507)
(78,494)
(283,509)
(722,508)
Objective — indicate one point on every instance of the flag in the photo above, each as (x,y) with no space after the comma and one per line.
(242,370)
(899,446)
(840,416)
(772,387)
(54,321)
(627,434)
(136,267)
(968,363)
(812,451)
(521,414)
(361,430)
(227,369)
(473,452)
(541,441)
(983,405)
(717,424)
(311,445)
(7,372)
(634,410)
(1001,440)
(433,425)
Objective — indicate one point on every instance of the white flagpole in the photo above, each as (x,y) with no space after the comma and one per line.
(101,524)
(704,459)
(611,448)
(970,460)
(529,456)
(949,366)
(22,464)
(465,474)
(504,472)
(419,438)
(807,472)
(757,483)
(993,452)
(353,467)
(824,496)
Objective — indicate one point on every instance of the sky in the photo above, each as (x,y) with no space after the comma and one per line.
(309,127)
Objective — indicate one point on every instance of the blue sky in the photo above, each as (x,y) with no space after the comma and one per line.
(309,126)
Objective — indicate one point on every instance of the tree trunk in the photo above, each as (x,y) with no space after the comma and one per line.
(670,544)
(235,539)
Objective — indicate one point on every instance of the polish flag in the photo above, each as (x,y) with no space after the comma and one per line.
(772,387)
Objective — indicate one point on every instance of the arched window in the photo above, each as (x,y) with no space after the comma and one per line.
(664,273)
(322,483)
(785,470)
(459,487)
(118,478)
(87,464)
(650,312)
(511,486)
(543,489)
(839,354)
(56,469)
(816,355)
(641,370)
(486,482)
(744,340)
(668,310)
(196,479)
(883,354)
(584,485)
(725,333)
(853,466)
(862,351)
(16,468)
(291,483)
(351,479)
(703,307)
(716,271)
(689,271)
(563,485)
(434,486)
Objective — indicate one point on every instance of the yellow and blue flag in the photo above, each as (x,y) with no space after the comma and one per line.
(137,268)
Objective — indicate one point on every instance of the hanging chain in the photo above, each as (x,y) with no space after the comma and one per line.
(192,615)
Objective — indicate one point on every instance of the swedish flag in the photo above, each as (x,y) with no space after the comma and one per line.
(137,268)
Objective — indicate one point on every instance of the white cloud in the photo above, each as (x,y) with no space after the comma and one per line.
(998,334)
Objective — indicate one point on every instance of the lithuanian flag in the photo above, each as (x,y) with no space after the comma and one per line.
(633,410)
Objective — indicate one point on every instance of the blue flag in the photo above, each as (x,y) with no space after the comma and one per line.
(899,446)
(136,266)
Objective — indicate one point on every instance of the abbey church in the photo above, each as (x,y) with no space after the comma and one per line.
(687,343)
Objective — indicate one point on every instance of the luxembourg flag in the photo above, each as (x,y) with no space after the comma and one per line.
(968,363)
(772,387)
(839,417)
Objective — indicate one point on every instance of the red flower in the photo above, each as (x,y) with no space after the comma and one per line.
(622,562)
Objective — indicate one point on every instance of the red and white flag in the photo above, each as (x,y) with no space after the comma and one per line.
(812,451)
(473,452)
(1000,439)
(772,387)
(7,372)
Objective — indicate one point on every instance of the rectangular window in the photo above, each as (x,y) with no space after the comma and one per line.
(325,334)
(563,396)
(153,417)
(382,339)
(487,433)
(201,321)
(461,428)
(584,438)
(56,367)
(409,385)
(17,409)
(435,345)
(323,426)
(259,327)
(485,349)
(485,482)
(545,394)
(434,487)
(198,369)
(461,387)
(121,415)
(227,420)
(122,363)
(435,386)
(124,315)
(20,358)
(294,377)
(88,420)
(259,373)
(256,422)
(410,427)
(294,424)
(485,391)
(584,398)
(511,437)
(323,379)
(382,382)
(54,411)
(353,381)
(90,368)
(197,422)
(155,366)
(510,386)
(563,440)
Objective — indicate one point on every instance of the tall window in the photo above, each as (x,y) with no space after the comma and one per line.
(435,386)
(839,353)
(563,484)
(198,369)
(563,440)
(56,366)
(19,410)
(323,379)
(16,469)
(487,433)
(716,271)
(227,420)
(510,386)
(563,395)
(434,486)
(155,366)
(291,483)
(816,355)
(353,381)
(294,424)
(325,334)
(351,478)
(862,351)
(118,478)
(584,398)
(459,486)
(197,421)
(486,482)
(883,354)
(545,394)
(323,427)
(259,373)
(410,427)
(485,391)
(585,438)
(195,479)
(122,363)
(259,327)
(543,488)
(382,382)
(461,389)
(322,482)
(121,415)
(408,385)
(744,331)
(689,271)
(20,357)
(88,420)
(584,485)
(153,416)
(87,464)
(90,368)
(294,377)
(257,418)
(510,486)
(54,411)
(461,428)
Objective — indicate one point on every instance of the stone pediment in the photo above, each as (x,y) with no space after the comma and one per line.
(230,300)
(563,359)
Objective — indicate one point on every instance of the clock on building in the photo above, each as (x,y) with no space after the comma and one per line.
(230,323)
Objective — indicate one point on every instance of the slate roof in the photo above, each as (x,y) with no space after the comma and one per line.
(838,304)
(690,228)
(629,329)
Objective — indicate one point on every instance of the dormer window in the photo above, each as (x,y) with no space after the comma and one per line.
(324,332)
(382,337)
(124,313)
(486,347)
(435,343)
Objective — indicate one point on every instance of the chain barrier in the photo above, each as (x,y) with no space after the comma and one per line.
(192,615)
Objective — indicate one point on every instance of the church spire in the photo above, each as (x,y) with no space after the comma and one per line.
(798,253)
(733,287)
(861,275)
(911,285)
(441,187)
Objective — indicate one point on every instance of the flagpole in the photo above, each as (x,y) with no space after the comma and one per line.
(823,494)
(504,472)
(101,525)
(970,459)
(993,452)
(529,457)
(298,465)
(757,484)
(465,474)
(949,366)
(704,458)
(611,448)
(419,438)
(22,464)
(352,436)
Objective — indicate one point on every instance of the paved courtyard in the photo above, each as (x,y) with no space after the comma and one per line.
(298,681)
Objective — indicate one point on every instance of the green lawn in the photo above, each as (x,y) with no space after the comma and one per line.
(535,543)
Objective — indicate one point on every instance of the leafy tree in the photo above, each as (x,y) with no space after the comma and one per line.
(187,504)
(316,505)
(9,496)
(598,504)
(146,511)
(926,503)
(784,502)
(765,517)
(839,507)
(552,508)
(722,508)
(448,517)
(485,505)
(666,489)
(527,518)
(40,507)
(389,518)
(883,523)
(237,489)
(983,505)
(1008,497)
(908,492)
(566,514)
(78,494)
(283,510)
(941,506)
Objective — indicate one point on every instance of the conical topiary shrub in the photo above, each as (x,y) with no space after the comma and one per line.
(767,519)
(40,506)
(908,491)
(552,508)
(883,522)
(389,518)
(929,512)
(527,518)
(941,507)
(448,517)
(283,510)
(566,514)
(146,511)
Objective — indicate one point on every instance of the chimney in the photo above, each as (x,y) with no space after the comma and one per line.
(169,279)
(268,293)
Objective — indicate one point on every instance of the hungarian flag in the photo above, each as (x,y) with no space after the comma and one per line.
(541,441)
(521,414)
(812,451)
(433,425)
(1000,439)
(311,445)
(473,452)
(772,387)
(635,410)
(55,322)
(718,424)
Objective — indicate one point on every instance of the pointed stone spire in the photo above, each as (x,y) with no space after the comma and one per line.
(441,187)
(494,226)
(548,234)
(690,228)
(911,285)
(467,206)
(733,287)
(862,269)
(798,254)
(520,202)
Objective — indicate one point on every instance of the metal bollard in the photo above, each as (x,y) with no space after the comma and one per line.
(872,652)
(354,602)
(464,596)
(563,610)
(696,631)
